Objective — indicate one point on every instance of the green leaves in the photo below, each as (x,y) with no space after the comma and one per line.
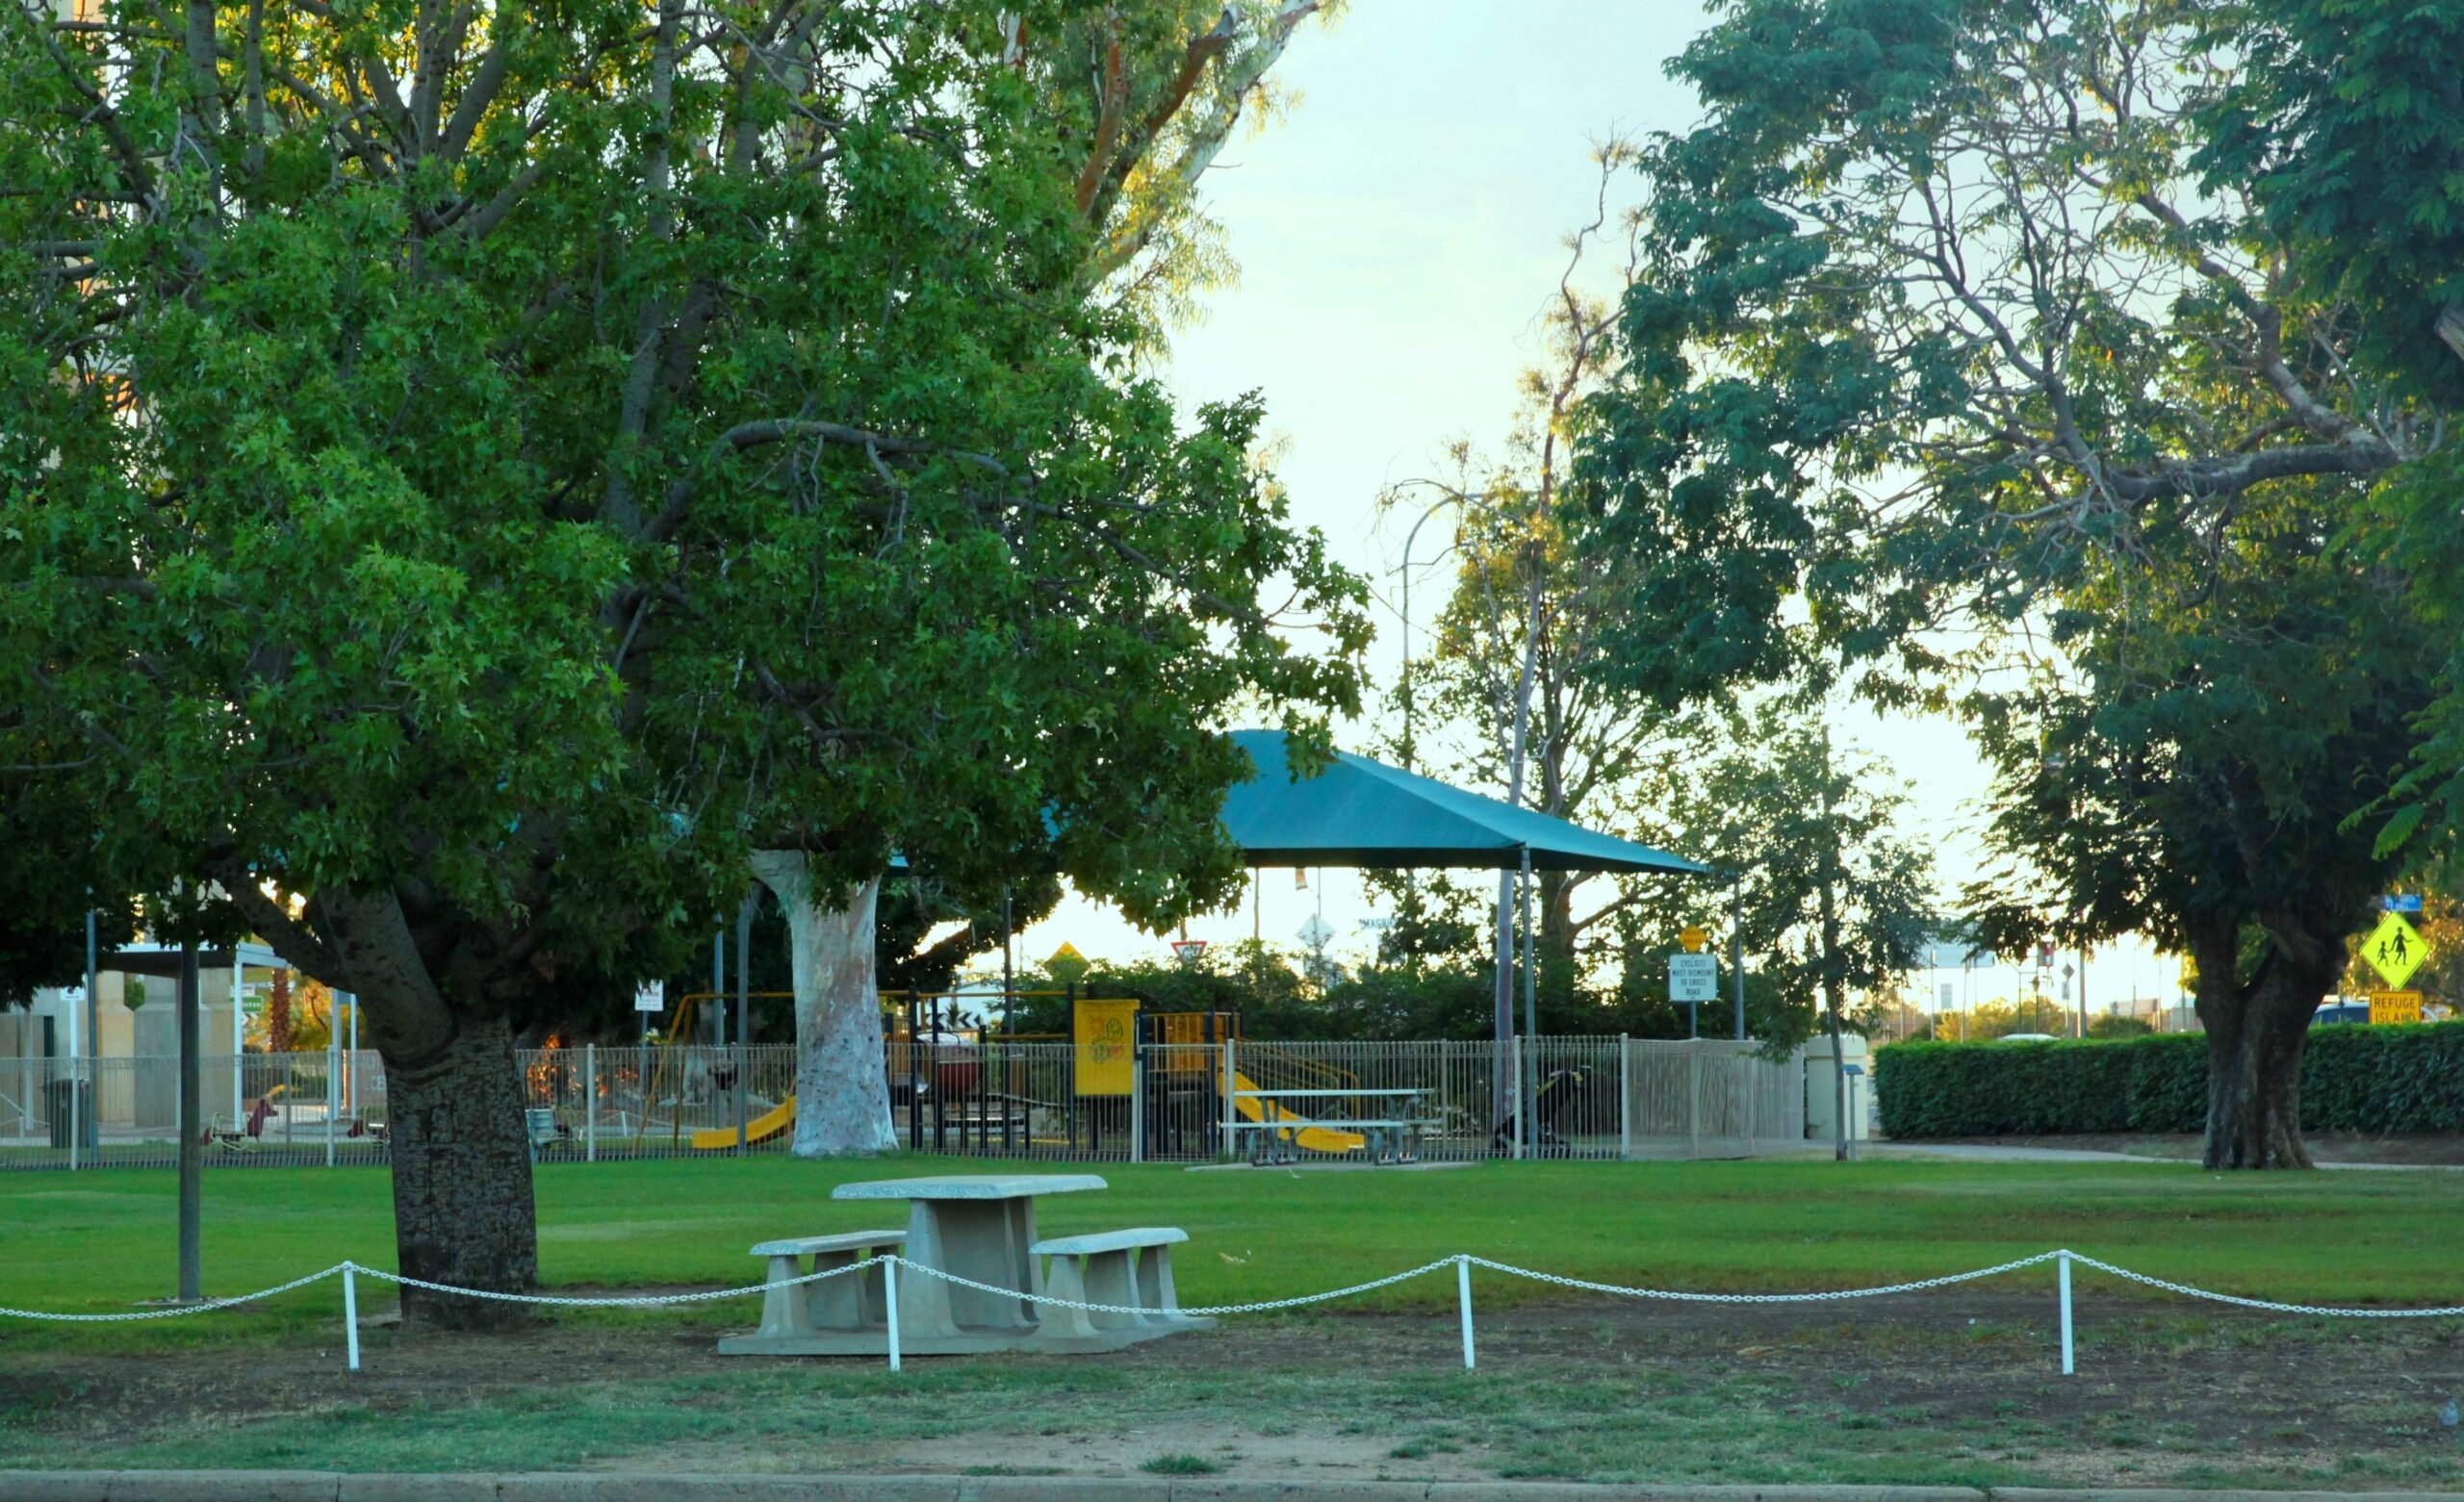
(519,477)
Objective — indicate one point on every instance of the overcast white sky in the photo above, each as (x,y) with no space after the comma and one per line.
(1398,232)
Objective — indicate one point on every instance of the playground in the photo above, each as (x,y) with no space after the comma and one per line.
(1942,1385)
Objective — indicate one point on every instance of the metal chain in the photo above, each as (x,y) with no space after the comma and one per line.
(174,1312)
(641,1301)
(2188,1289)
(1758,1298)
(638,1301)
(1214,1308)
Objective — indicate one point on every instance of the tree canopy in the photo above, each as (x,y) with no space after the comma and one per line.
(478,472)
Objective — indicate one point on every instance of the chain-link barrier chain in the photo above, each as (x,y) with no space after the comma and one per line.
(176,1310)
(1213,1309)
(637,1301)
(650,1300)
(2190,1291)
(1828,1296)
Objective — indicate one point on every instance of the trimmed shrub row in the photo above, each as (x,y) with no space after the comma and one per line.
(2354,1079)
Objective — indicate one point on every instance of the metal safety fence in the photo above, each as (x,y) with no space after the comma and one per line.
(1573,1097)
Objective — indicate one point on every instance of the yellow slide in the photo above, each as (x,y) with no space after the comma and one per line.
(760,1128)
(1316,1139)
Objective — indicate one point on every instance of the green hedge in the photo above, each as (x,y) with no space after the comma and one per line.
(2354,1079)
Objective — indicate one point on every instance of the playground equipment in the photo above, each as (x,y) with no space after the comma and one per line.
(1312,1139)
(779,1118)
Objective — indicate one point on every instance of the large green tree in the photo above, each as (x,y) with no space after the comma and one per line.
(478,473)
(2198,765)
(2343,123)
(1946,321)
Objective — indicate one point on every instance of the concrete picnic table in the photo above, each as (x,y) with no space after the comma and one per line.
(978,1225)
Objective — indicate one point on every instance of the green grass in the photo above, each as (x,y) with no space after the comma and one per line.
(1845,1399)
(96,1242)
(1177,1464)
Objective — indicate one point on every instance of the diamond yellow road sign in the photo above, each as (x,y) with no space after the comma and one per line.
(2395,949)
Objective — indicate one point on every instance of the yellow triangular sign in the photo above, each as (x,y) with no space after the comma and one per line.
(2395,949)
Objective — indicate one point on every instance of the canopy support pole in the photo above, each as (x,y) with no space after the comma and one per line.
(1531,1017)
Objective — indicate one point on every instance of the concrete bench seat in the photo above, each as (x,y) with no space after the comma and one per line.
(850,1301)
(1132,1269)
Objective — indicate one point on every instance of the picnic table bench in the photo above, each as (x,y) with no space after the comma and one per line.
(850,1301)
(1387,1139)
(1132,1269)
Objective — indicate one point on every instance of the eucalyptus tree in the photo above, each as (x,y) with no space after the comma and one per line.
(1519,637)
(1948,321)
(476,474)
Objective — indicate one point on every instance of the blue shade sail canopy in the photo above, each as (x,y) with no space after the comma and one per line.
(1359,812)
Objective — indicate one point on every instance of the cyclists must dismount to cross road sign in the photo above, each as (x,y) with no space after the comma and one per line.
(2395,949)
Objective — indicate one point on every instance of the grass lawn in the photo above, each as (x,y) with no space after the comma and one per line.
(1948,1386)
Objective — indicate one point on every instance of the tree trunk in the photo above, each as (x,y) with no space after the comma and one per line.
(2256,1034)
(278,1013)
(842,1094)
(1558,939)
(463,1212)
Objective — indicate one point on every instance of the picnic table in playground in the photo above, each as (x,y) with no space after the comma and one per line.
(1386,1124)
(980,1227)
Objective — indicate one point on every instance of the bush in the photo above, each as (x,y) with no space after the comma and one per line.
(2354,1079)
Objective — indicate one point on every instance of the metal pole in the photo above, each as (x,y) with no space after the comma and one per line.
(1514,1052)
(2069,1366)
(1694,1099)
(76,1088)
(1231,1147)
(239,1040)
(743,1006)
(192,1130)
(333,1081)
(1463,1299)
(88,1115)
(1530,1010)
(590,1103)
(1009,1022)
(1137,1104)
(1625,1096)
(1736,954)
(719,986)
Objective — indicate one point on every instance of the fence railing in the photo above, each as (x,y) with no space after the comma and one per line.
(1589,1098)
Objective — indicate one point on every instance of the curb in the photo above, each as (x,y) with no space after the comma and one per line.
(275,1486)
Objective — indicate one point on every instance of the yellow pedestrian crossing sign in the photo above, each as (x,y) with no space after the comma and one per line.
(2395,949)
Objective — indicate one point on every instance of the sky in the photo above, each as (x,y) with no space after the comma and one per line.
(1397,231)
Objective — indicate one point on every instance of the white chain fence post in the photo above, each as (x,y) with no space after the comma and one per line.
(2063,1263)
(1463,1297)
(590,1102)
(350,1315)
(889,1302)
